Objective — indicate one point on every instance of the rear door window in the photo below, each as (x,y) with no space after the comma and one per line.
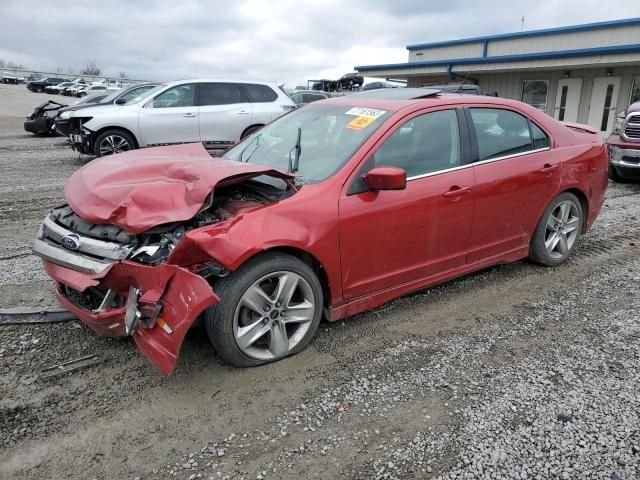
(259,93)
(501,133)
(219,94)
(540,139)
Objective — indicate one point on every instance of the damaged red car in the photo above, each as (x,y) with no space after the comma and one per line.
(333,209)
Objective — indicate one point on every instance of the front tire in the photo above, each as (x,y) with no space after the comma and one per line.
(113,141)
(269,309)
(558,231)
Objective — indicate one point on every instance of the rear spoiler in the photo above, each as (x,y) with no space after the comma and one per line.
(580,127)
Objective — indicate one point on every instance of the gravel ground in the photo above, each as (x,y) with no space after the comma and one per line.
(517,371)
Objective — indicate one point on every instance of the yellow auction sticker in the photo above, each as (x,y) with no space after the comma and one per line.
(360,122)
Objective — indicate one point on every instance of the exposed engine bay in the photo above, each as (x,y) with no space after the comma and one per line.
(153,246)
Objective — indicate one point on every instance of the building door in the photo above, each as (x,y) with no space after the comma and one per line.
(568,99)
(604,99)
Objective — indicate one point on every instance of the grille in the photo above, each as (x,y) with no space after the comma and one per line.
(66,217)
(100,242)
(632,128)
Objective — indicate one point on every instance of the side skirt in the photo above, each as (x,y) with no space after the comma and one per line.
(369,302)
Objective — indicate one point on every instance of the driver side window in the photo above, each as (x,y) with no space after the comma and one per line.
(178,96)
(425,144)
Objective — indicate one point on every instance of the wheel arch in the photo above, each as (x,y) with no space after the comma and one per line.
(307,258)
(584,203)
(255,125)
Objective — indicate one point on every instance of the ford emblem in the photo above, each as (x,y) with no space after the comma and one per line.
(71,242)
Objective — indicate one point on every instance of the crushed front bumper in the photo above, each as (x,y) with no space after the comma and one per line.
(155,305)
(81,141)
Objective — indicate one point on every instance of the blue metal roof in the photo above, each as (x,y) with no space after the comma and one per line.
(506,58)
(531,33)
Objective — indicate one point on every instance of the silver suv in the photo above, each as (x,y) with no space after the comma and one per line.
(213,111)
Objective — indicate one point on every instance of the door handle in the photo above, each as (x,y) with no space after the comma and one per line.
(189,115)
(548,168)
(243,112)
(456,192)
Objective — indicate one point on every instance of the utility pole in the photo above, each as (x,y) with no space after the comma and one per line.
(522,23)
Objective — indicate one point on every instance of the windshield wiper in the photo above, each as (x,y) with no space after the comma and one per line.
(293,165)
(257,141)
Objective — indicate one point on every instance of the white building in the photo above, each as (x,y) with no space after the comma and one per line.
(582,73)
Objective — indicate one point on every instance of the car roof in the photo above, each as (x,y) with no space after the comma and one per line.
(384,99)
(219,80)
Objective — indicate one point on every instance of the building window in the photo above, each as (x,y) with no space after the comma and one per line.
(635,91)
(535,92)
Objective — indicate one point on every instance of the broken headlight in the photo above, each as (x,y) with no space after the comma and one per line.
(156,244)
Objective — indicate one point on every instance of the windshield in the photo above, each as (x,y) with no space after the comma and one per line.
(130,94)
(329,135)
(145,94)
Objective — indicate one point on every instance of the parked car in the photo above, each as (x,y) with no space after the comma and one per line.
(57,88)
(325,85)
(12,78)
(38,86)
(89,89)
(333,209)
(119,97)
(43,120)
(379,85)
(624,145)
(221,112)
(302,97)
(40,122)
(76,84)
(350,81)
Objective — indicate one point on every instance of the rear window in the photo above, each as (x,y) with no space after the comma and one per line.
(259,93)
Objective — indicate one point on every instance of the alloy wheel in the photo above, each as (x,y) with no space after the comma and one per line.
(273,315)
(562,229)
(112,144)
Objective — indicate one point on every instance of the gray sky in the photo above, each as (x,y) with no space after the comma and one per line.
(279,40)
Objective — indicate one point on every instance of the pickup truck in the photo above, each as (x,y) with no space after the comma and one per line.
(624,145)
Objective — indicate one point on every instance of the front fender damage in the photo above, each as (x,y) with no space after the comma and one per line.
(168,300)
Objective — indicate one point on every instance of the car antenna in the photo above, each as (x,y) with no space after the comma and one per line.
(464,81)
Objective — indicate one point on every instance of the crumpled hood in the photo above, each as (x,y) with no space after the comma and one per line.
(140,189)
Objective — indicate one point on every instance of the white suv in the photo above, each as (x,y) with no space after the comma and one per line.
(213,111)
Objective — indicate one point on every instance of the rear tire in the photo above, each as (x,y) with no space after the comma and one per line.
(558,231)
(113,141)
(257,321)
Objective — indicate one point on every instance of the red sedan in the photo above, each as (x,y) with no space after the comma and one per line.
(333,209)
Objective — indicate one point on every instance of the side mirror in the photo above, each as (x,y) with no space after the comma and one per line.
(121,101)
(386,178)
